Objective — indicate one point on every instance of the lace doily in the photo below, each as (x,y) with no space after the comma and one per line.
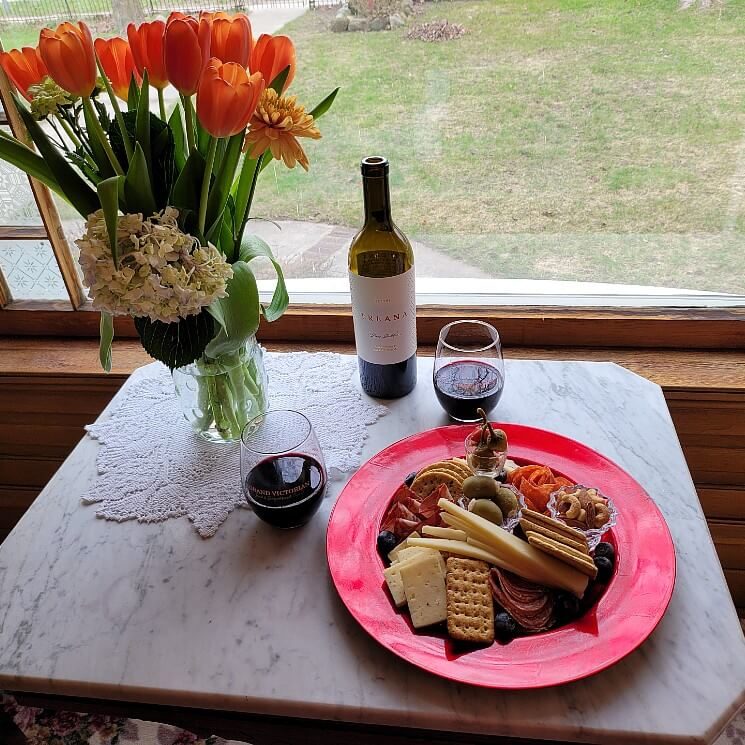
(151,467)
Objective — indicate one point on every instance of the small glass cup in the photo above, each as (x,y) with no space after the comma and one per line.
(489,464)
(469,369)
(283,472)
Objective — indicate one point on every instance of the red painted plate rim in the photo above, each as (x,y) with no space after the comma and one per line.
(627,613)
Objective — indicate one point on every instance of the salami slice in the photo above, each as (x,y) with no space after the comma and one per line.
(531,605)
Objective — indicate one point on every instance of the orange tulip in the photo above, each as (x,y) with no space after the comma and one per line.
(227,97)
(231,39)
(24,67)
(271,55)
(68,55)
(146,43)
(118,64)
(186,51)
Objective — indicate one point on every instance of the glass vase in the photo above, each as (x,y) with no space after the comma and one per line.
(218,396)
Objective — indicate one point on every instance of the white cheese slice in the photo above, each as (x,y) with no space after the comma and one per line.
(395,585)
(424,587)
(393,555)
(449,533)
(410,552)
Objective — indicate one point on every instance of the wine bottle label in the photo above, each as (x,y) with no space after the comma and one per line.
(384,311)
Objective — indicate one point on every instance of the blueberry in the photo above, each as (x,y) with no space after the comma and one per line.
(387,541)
(605,568)
(567,607)
(409,480)
(505,626)
(606,550)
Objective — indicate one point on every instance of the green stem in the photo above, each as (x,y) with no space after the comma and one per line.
(73,124)
(117,111)
(191,140)
(206,184)
(162,105)
(68,131)
(101,135)
(249,201)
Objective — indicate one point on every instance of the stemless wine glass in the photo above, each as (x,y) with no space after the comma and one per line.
(469,369)
(282,468)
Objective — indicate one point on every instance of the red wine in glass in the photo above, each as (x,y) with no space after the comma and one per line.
(464,386)
(469,369)
(286,490)
(282,468)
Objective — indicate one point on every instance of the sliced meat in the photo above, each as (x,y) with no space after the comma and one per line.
(531,605)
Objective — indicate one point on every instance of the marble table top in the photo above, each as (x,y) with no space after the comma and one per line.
(249,621)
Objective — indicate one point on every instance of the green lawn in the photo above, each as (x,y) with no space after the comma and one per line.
(594,140)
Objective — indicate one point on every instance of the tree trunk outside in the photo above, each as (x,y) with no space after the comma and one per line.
(124,12)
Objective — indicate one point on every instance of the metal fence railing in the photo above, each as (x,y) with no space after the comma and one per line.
(39,12)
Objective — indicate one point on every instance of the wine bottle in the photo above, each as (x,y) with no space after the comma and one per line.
(381,280)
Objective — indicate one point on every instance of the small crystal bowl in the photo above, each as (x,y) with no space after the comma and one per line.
(510,523)
(593,535)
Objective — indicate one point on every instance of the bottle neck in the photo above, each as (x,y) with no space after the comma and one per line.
(377,201)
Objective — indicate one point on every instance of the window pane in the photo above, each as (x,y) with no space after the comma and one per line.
(583,141)
(31,270)
(17,204)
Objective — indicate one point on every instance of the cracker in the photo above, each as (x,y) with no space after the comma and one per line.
(425,484)
(470,609)
(532,527)
(552,524)
(443,467)
(565,554)
(461,467)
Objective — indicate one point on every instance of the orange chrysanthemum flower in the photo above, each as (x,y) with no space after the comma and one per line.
(276,124)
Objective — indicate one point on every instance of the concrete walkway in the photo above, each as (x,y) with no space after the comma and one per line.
(309,249)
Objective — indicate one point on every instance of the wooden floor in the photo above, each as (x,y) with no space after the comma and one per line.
(50,388)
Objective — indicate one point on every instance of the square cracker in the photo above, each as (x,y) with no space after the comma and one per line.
(470,609)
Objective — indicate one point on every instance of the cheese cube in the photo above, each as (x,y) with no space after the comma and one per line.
(424,587)
(393,555)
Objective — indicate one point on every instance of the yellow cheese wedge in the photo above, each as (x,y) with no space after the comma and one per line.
(409,552)
(424,587)
(450,533)
(467,549)
(528,562)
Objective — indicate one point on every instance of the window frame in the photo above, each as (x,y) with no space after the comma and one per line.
(522,326)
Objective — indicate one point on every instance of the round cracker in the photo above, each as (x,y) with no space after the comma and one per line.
(425,484)
(461,466)
(443,467)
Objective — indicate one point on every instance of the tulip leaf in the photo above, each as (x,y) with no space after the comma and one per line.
(133,94)
(108,195)
(162,147)
(220,187)
(143,125)
(137,189)
(237,314)
(279,82)
(179,343)
(105,169)
(176,125)
(203,139)
(325,105)
(186,190)
(23,157)
(106,336)
(76,190)
(251,247)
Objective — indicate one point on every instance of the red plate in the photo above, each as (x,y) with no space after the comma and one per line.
(624,617)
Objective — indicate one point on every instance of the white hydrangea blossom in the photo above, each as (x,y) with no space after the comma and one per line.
(163,273)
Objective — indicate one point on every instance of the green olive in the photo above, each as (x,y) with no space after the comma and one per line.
(507,501)
(480,487)
(487,509)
